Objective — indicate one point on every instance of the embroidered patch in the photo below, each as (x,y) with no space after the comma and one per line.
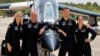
(76,30)
(57,23)
(21,28)
(29,25)
(16,28)
(83,30)
(70,23)
(63,23)
(35,26)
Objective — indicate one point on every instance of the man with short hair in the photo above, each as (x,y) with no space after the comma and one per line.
(67,25)
(30,34)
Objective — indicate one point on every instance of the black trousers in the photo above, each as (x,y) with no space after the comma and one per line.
(32,49)
(15,51)
(67,47)
(84,49)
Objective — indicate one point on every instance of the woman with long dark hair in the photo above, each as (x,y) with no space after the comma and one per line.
(13,36)
(82,36)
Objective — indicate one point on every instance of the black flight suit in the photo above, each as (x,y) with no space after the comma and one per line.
(30,35)
(81,34)
(68,43)
(13,36)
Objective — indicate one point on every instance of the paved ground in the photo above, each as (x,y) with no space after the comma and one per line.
(5,21)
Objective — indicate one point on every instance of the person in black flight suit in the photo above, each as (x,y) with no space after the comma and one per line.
(30,34)
(67,25)
(13,36)
(31,31)
(82,36)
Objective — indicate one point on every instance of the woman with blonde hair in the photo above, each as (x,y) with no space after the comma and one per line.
(13,36)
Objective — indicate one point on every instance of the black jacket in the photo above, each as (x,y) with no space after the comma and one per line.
(30,32)
(68,27)
(13,34)
(82,34)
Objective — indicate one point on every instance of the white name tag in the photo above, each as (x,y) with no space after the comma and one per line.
(36,26)
(70,23)
(84,30)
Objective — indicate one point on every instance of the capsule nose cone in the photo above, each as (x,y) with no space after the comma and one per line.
(52,44)
(51,41)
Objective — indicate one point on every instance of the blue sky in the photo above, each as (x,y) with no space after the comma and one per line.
(80,1)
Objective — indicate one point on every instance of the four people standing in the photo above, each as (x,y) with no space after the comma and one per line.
(30,31)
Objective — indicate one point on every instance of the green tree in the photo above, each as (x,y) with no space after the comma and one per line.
(95,4)
(88,4)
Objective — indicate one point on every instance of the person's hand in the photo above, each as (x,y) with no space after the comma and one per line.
(41,31)
(64,34)
(88,25)
(61,31)
(87,40)
(9,47)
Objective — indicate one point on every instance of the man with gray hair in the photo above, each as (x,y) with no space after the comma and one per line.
(30,35)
